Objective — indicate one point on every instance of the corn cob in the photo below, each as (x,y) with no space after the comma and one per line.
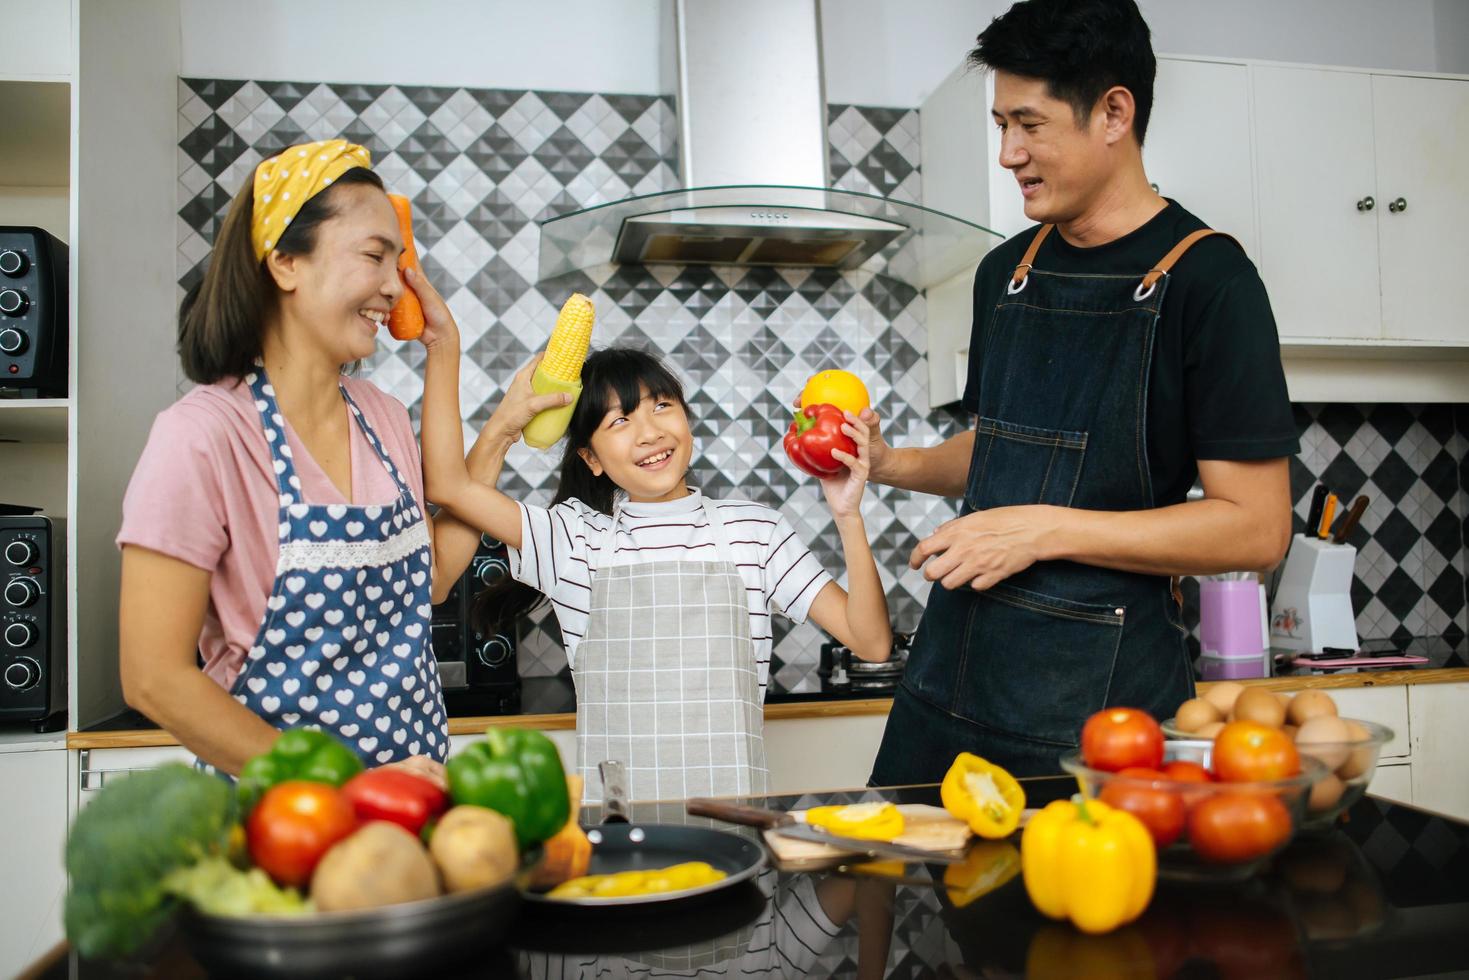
(560,370)
(567,348)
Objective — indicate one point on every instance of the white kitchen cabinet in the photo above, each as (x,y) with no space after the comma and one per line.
(1422,130)
(1198,145)
(34,814)
(1439,716)
(1363,205)
(1318,238)
(822,753)
(95,768)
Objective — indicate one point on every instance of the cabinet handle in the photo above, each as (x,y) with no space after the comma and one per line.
(1366,204)
(1401,204)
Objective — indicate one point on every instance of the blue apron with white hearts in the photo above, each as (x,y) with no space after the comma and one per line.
(345,643)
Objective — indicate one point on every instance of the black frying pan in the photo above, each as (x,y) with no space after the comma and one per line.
(618,845)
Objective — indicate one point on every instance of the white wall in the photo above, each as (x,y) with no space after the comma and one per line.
(567,45)
(879,52)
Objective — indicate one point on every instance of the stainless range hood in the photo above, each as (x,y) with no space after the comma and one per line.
(755,188)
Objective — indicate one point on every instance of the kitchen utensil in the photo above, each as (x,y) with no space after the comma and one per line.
(1232,619)
(1349,523)
(621,844)
(1313,516)
(1328,513)
(930,834)
(411,939)
(1313,602)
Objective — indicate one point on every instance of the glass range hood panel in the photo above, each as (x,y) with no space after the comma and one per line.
(935,247)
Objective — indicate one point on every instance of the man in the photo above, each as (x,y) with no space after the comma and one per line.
(1108,369)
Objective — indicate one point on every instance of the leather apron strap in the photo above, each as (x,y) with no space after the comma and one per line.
(1023,269)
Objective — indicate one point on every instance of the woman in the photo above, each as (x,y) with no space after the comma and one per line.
(275,522)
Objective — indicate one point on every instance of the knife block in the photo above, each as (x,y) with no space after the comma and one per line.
(1313,602)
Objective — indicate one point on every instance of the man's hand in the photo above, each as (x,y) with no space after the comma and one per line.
(985,547)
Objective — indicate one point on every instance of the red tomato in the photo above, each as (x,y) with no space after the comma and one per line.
(1160,810)
(1231,827)
(1115,738)
(1184,771)
(293,825)
(1247,751)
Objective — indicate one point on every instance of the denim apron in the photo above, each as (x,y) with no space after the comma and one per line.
(344,644)
(1012,672)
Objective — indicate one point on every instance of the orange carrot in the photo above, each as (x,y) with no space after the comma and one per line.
(405,321)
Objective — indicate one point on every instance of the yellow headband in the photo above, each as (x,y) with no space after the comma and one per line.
(284,183)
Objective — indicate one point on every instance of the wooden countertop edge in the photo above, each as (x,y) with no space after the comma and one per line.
(150,738)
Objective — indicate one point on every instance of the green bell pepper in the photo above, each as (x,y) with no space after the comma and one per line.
(517,773)
(297,753)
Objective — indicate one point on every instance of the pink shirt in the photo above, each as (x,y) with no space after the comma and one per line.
(204,492)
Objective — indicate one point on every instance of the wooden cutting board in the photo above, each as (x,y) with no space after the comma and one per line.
(930,828)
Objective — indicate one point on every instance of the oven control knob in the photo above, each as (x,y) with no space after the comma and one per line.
(12,342)
(20,552)
(22,674)
(13,302)
(495,651)
(13,264)
(21,592)
(492,572)
(18,636)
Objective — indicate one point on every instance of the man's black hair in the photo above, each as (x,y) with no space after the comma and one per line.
(1079,48)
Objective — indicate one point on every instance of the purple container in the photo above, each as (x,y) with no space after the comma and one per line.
(1232,620)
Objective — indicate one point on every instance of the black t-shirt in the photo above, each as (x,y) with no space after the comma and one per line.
(1216,389)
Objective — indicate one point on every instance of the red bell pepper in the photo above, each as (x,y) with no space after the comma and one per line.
(814,433)
(395,796)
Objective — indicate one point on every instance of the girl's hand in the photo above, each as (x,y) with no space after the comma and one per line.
(423,767)
(843,491)
(439,328)
(521,403)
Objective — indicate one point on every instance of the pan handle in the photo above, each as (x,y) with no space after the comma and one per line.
(614,791)
(749,816)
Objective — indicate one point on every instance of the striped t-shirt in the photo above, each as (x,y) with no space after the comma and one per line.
(561,549)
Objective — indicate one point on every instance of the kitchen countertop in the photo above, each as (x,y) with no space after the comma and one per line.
(1386,894)
(549,703)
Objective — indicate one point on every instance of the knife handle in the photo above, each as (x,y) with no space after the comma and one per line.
(749,816)
(1313,516)
(1349,523)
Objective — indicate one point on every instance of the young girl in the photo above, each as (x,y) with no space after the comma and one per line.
(664,597)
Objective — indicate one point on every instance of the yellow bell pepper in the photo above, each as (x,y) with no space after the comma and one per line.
(1062,953)
(868,821)
(987,866)
(1088,862)
(982,795)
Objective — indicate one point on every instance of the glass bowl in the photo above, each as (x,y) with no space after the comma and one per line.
(1349,766)
(1180,860)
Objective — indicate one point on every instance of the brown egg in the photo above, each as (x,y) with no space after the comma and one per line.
(1308,705)
(1259,705)
(1325,793)
(1360,760)
(1210,730)
(1325,738)
(1366,901)
(1195,713)
(1222,695)
(1290,731)
(1284,698)
(1327,917)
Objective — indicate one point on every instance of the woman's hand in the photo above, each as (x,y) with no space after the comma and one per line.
(521,403)
(843,491)
(439,328)
(424,768)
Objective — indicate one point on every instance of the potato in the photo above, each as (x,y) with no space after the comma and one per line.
(380,864)
(1308,705)
(474,846)
(1195,713)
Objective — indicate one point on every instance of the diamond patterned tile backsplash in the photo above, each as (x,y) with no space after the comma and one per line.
(482,164)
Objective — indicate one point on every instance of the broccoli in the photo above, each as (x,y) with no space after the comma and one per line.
(216,887)
(127,842)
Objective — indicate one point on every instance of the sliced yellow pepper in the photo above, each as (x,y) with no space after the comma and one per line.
(1088,862)
(982,795)
(987,866)
(649,882)
(867,821)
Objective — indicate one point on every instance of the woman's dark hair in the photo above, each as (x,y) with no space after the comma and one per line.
(222,318)
(1079,48)
(615,377)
